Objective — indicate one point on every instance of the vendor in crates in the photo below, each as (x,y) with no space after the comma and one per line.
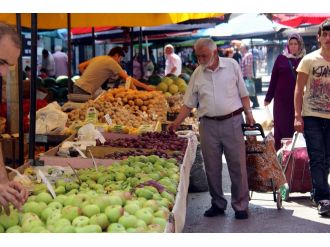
(218,88)
(104,69)
(10,48)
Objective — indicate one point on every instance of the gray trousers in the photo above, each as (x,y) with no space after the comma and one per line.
(218,137)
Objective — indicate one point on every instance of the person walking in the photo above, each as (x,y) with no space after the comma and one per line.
(247,70)
(48,63)
(217,88)
(173,63)
(61,62)
(11,192)
(281,88)
(312,115)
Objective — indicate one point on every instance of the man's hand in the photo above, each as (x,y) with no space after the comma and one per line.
(18,187)
(8,194)
(299,124)
(249,118)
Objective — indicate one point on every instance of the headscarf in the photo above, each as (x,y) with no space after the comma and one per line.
(301,51)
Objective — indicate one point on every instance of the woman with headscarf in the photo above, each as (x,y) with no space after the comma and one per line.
(282,86)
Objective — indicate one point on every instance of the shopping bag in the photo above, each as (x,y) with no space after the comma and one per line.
(263,169)
(250,87)
(267,123)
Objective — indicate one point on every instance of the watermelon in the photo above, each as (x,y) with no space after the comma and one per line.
(155,80)
(185,77)
(62,81)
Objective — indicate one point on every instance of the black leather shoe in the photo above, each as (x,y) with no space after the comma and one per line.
(214,211)
(241,215)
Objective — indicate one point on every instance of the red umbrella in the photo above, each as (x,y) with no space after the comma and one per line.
(296,20)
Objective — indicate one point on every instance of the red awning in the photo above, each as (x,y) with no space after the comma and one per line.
(84,30)
(296,20)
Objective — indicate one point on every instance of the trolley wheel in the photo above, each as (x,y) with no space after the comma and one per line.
(278,200)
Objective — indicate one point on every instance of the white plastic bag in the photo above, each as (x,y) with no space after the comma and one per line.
(50,119)
(267,123)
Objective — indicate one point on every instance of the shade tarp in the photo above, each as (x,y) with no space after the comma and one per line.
(244,26)
(296,20)
(59,20)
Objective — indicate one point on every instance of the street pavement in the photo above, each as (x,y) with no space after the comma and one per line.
(298,214)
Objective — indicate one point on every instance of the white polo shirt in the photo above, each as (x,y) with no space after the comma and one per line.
(218,92)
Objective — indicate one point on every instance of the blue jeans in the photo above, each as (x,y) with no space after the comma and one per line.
(317,135)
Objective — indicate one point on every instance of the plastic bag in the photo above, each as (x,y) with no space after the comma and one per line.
(50,119)
(250,87)
(268,122)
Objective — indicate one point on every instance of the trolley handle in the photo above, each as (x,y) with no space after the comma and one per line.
(254,130)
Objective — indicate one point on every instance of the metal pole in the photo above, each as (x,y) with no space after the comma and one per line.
(32,130)
(70,84)
(131,51)
(20,97)
(140,51)
(93,42)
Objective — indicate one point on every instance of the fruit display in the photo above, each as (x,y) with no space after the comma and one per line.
(172,85)
(130,108)
(175,103)
(152,140)
(134,195)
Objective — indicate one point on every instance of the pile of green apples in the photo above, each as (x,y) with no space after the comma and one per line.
(134,195)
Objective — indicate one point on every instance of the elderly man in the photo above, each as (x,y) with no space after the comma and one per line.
(173,63)
(61,61)
(217,88)
(10,192)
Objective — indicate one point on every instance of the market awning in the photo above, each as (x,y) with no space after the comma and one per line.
(297,20)
(59,20)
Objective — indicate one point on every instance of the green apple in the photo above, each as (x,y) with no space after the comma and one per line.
(59,223)
(153,204)
(65,229)
(155,228)
(60,198)
(2,229)
(160,221)
(29,216)
(44,197)
(55,205)
(100,219)
(71,185)
(128,221)
(141,192)
(72,192)
(141,224)
(120,176)
(89,229)
(9,220)
(90,210)
(162,213)
(132,230)
(69,200)
(124,195)
(168,196)
(115,200)
(80,221)
(131,208)
(113,213)
(145,215)
(102,201)
(60,190)
(31,198)
(116,228)
(38,229)
(54,217)
(70,212)
(34,207)
(46,212)
(14,229)
(30,224)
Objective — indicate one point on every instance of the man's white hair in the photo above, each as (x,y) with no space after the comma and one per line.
(58,48)
(206,42)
